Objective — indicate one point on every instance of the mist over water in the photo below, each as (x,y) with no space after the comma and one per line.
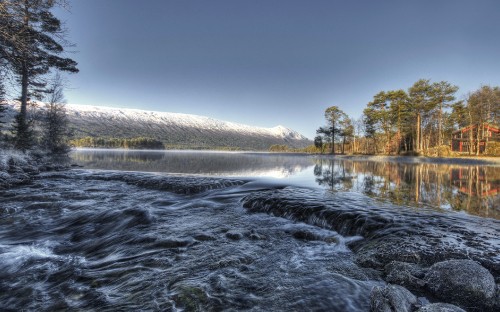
(214,231)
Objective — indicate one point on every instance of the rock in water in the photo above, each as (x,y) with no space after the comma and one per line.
(392,298)
(405,274)
(462,282)
(440,307)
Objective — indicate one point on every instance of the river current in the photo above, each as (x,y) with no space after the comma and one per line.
(200,231)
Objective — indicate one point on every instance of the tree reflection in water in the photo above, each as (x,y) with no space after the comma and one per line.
(473,189)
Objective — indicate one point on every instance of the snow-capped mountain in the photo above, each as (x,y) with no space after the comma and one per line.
(174,128)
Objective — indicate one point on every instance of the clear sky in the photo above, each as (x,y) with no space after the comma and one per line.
(271,62)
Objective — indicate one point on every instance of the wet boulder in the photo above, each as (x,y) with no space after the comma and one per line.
(203,237)
(461,282)
(440,307)
(234,235)
(306,235)
(392,298)
(405,274)
(253,235)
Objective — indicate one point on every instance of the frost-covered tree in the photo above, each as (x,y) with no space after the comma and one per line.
(3,107)
(31,44)
(54,122)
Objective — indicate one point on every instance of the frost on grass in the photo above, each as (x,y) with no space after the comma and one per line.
(9,159)
(15,167)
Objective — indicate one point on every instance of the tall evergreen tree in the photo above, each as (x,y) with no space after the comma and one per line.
(334,116)
(483,106)
(325,134)
(380,115)
(346,131)
(458,117)
(400,116)
(55,130)
(421,102)
(444,95)
(318,143)
(3,107)
(37,48)
(2,96)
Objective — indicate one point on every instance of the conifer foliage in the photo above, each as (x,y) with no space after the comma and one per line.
(32,44)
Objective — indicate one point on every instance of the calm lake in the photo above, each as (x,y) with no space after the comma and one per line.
(213,231)
(472,189)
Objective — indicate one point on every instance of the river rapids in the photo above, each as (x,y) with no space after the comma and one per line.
(92,240)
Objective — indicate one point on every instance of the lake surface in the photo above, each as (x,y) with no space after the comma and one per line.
(210,231)
(472,189)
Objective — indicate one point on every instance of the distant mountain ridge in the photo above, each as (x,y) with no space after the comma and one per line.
(174,129)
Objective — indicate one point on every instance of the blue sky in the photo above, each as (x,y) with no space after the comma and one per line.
(270,62)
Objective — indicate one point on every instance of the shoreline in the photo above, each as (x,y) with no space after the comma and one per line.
(465,160)
(495,161)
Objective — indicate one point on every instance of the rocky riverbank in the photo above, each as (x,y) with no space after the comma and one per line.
(17,168)
(329,251)
(426,258)
(460,283)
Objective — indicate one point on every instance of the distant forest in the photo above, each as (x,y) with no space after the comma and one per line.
(132,143)
(427,119)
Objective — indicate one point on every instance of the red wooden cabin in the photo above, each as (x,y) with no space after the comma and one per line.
(461,139)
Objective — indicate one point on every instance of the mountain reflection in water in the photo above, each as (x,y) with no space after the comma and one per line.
(473,189)
(194,162)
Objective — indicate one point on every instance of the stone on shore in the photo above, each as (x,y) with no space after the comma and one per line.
(461,282)
(392,298)
(405,274)
(440,307)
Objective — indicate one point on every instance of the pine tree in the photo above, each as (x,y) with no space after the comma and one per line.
(483,107)
(334,116)
(32,43)
(3,107)
(54,126)
(444,95)
(421,103)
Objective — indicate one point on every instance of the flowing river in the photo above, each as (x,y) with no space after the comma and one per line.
(212,231)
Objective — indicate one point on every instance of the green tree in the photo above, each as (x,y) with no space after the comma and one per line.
(370,126)
(334,117)
(318,143)
(346,131)
(458,116)
(444,96)
(32,45)
(326,136)
(400,116)
(380,116)
(483,106)
(421,103)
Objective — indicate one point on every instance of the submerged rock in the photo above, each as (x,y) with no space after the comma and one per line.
(191,298)
(462,282)
(306,235)
(204,237)
(234,235)
(392,298)
(440,307)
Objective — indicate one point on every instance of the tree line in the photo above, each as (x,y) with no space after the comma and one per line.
(128,143)
(420,120)
(32,58)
